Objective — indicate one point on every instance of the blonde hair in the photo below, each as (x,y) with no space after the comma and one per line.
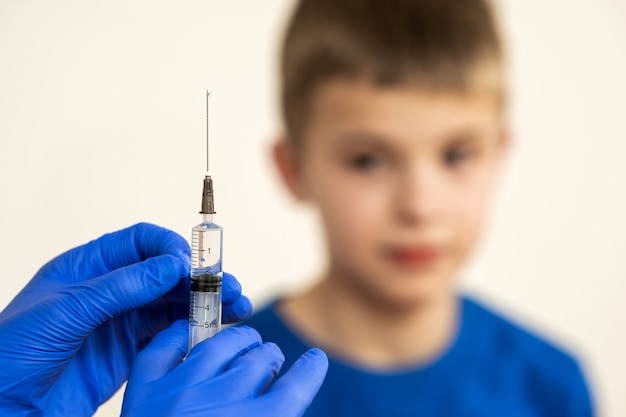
(434,44)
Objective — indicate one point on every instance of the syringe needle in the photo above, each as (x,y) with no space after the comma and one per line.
(207,130)
(207,189)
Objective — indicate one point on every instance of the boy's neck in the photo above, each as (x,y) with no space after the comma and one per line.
(348,325)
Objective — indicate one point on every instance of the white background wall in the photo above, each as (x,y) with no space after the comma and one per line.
(102,126)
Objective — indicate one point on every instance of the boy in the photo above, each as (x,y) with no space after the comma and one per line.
(394,131)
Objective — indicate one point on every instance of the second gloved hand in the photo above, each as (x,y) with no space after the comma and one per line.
(230,374)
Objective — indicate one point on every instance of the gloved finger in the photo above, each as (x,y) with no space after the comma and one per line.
(162,354)
(118,249)
(211,357)
(140,242)
(237,311)
(294,391)
(231,288)
(248,375)
(235,307)
(86,305)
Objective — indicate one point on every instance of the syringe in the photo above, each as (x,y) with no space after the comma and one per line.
(205,304)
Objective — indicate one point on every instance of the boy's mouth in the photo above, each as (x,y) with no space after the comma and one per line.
(413,256)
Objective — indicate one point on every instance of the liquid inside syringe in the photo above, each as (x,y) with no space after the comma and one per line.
(205,307)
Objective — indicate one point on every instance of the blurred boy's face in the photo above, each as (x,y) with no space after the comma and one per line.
(402,179)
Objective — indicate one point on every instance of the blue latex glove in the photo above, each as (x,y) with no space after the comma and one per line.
(69,338)
(227,375)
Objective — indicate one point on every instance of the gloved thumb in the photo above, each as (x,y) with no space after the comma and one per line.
(87,304)
(293,392)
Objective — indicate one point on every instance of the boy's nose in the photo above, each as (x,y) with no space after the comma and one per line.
(418,197)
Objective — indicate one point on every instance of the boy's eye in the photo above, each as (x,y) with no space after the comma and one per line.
(365,162)
(456,156)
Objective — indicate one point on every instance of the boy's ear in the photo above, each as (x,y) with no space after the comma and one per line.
(505,141)
(287,161)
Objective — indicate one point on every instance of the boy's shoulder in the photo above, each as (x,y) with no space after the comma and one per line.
(501,334)
(511,350)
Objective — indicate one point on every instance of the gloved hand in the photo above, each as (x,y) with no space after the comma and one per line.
(224,376)
(69,338)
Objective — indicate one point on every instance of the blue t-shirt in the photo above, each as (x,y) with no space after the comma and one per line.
(492,368)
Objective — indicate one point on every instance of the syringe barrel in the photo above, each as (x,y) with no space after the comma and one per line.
(205,304)
(205,316)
